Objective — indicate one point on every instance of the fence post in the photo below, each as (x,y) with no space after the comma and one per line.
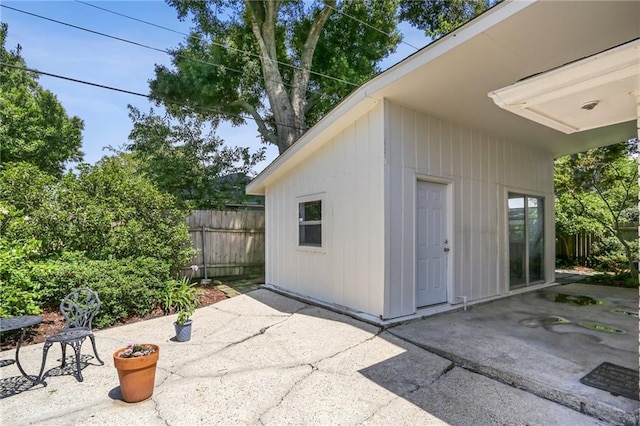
(204,255)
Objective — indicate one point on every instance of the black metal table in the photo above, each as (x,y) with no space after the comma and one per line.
(21,323)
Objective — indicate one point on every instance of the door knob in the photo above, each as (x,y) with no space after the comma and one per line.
(446,249)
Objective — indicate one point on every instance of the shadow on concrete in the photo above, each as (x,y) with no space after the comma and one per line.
(10,386)
(534,342)
(116,394)
(541,342)
(69,368)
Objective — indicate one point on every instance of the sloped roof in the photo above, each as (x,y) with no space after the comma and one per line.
(452,77)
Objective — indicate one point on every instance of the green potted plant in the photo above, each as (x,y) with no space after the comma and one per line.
(136,365)
(181,297)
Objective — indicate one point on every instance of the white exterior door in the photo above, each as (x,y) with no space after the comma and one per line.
(432,244)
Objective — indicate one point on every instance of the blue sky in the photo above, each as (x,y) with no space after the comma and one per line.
(58,49)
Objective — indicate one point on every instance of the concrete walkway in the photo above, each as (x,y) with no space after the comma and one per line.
(541,342)
(261,358)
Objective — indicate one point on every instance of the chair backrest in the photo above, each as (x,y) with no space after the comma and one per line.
(79,308)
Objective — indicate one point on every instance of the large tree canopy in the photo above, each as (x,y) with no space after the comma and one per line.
(284,64)
(34,126)
(438,17)
(255,58)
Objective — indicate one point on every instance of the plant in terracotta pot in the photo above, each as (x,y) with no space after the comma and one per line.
(181,297)
(136,365)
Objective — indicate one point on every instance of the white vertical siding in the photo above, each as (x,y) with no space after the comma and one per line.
(348,173)
(395,295)
(481,169)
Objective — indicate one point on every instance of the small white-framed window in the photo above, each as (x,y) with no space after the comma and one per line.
(310,223)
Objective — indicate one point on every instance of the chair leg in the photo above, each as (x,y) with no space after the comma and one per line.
(93,343)
(76,348)
(45,351)
(63,346)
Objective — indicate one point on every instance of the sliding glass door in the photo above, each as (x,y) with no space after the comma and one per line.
(526,240)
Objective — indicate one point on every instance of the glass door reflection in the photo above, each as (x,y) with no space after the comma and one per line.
(526,240)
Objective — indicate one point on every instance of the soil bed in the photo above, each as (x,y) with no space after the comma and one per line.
(53,322)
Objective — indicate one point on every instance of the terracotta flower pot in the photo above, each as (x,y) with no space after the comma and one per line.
(137,375)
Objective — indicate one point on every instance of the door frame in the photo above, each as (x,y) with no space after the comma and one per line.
(549,237)
(450,226)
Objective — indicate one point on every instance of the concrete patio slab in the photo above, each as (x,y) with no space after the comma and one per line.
(501,405)
(262,358)
(539,342)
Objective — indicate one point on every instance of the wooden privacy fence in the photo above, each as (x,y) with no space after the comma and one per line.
(578,247)
(228,242)
(575,247)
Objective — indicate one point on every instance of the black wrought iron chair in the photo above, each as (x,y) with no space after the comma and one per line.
(78,308)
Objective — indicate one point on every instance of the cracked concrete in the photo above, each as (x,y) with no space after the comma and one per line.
(262,358)
(508,341)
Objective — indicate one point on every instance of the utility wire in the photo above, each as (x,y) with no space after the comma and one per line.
(102,86)
(152,98)
(368,25)
(226,46)
(139,20)
(135,43)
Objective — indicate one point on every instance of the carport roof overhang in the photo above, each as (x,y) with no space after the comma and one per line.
(598,91)
(452,77)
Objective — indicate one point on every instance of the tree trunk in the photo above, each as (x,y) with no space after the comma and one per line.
(630,255)
(288,108)
(299,99)
(563,240)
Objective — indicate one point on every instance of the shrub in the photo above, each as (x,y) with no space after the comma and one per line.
(105,226)
(115,212)
(105,211)
(608,255)
(126,287)
(620,280)
(19,294)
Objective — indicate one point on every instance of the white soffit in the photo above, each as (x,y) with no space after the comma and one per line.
(590,93)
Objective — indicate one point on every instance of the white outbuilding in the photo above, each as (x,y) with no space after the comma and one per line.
(431,185)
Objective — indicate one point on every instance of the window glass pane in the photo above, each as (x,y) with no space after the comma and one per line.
(535,233)
(517,248)
(311,210)
(526,240)
(311,235)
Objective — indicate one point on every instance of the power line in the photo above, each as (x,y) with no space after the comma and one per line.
(179,55)
(226,46)
(368,25)
(152,98)
(124,40)
(102,86)
(137,19)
